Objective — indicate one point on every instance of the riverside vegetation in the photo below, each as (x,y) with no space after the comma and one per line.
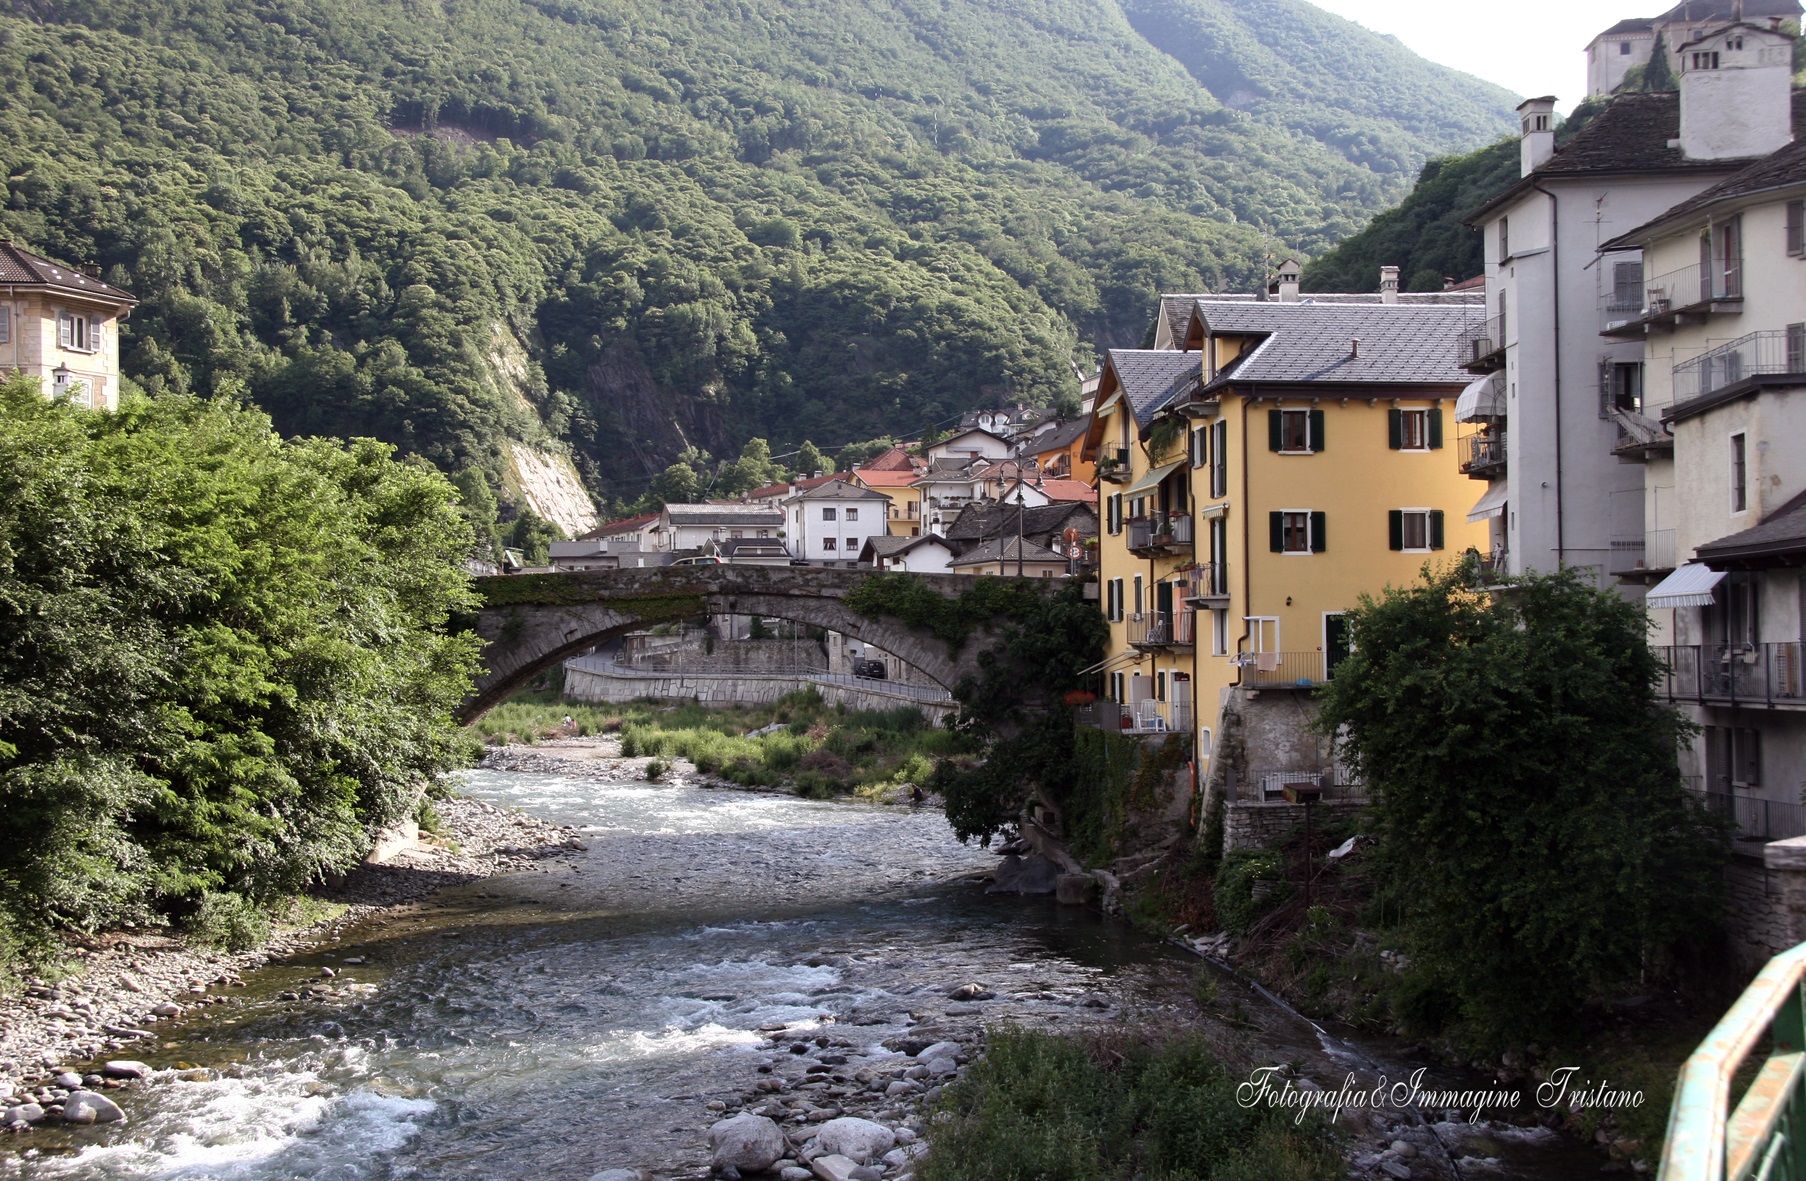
(627,229)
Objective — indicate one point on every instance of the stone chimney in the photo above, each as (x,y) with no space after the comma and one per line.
(1736,93)
(1536,133)
(1288,281)
(1388,284)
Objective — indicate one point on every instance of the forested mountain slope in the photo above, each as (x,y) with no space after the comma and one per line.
(634,227)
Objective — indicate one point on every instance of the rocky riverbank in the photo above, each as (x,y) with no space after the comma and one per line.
(119,985)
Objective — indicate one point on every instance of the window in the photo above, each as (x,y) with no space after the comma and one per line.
(1298,532)
(1796,229)
(764,533)
(1627,287)
(736,533)
(1219,459)
(1623,49)
(829,514)
(828,543)
(1138,596)
(1263,633)
(1733,757)
(1160,685)
(852,545)
(1297,431)
(1113,601)
(1116,687)
(852,514)
(1113,512)
(1740,499)
(1504,238)
(1729,251)
(1796,348)
(1414,430)
(1200,447)
(1624,385)
(1415,529)
(77,333)
(6,325)
(1705,60)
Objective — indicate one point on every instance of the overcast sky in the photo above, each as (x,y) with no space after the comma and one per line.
(1530,47)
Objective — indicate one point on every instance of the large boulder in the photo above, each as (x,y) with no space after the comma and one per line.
(861,1140)
(833,1167)
(85,1107)
(749,1143)
(125,1068)
(1033,874)
(23,1113)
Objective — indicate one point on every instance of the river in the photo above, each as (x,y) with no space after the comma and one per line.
(555,1024)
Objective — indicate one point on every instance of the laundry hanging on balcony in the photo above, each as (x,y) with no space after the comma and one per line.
(1689,586)
(1490,505)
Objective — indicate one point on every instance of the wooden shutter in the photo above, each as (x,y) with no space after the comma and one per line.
(1275,431)
(1319,533)
(65,330)
(1434,416)
(1796,349)
(1436,529)
(1316,435)
(1395,429)
(1219,460)
(1395,529)
(1276,526)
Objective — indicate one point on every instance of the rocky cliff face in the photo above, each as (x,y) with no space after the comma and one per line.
(549,483)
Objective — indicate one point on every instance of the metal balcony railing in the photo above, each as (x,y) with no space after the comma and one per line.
(1162,629)
(1665,296)
(1140,717)
(1484,453)
(1169,532)
(1113,464)
(1752,674)
(1747,356)
(1496,562)
(1755,818)
(1482,345)
(1291,670)
(1267,785)
(1210,580)
(1626,554)
(1658,549)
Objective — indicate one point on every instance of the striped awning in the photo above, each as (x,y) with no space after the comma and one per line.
(1490,505)
(1152,480)
(1689,586)
(1213,510)
(1482,399)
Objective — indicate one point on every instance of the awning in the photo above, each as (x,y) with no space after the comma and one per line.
(1107,404)
(1213,510)
(1152,480)
(1490,505)
(1484,398)
(1689,586)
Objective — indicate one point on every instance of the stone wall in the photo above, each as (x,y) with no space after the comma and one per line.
(613,685)
(1251,825)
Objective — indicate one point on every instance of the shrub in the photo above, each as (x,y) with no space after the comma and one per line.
(656,770)
(228,921)
(1237,906)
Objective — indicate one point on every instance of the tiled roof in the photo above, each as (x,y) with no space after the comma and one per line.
(1779,170)
(1177,308)
(788,488)
(21,266)
(1006,549)
(623,525)
(724,514)
(1151,379)
(1783,532)
(1695,11)
(1068,491)
(880,478)
(1400,344)
(837,490)
(897,459)
(990,518)
(1636,24)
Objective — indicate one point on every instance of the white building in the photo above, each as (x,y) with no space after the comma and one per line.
(61,325)
(690,527)
(971,443)
(926,554)
(1539,425)
(831,522)
(1630,43)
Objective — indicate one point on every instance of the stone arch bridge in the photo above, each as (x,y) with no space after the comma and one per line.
(530,622)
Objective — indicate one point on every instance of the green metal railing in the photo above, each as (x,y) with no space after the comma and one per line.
(1765,1137)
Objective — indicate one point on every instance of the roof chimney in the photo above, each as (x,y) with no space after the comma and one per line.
(1736,93)
(1354,347)
(1288,281)
(1536,132)
(1388,284)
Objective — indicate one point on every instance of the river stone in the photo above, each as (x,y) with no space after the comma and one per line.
(68,1080)
(795,1173)
(942,1067)
(124,1068)
(860,1139)
(749,1143)
(833,1168)
(167,1009)
(1075,889)
(939,1050)
(85,1107)
(1033,874)
(617,1175)
(29,1113)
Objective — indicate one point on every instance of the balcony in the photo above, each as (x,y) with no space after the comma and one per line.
(1165,534)
(1737,674)
(1484,456)
(1494,565)
(1210,583)
(1156,630)
(1688,294)
(1267,785)
(1282,670)
(1635,558)
(1140,717)
(1756,355)
(1481,348)
(1756,819)
(1113,465)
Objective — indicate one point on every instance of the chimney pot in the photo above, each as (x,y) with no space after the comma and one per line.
(1354,347)
(1536,133)
(1288,281)
(1388,284)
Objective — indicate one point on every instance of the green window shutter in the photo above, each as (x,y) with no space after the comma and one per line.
(1435,416)
(1395,429)
(1276,525)
(1395,529)
(1316,430)
(1319,533)
(1435,528)
(1273,430)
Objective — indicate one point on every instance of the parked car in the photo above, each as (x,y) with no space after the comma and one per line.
(702,560)
(870,669)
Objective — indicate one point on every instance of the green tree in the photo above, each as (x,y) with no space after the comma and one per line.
(224,658)
(1658,75)
(677,484)
(532,535)
(477,503)
(1534,831)
(810,461)
(754,469)
(856,454)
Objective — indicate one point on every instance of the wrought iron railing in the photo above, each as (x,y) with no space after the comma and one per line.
(1755,818)
(1268,784)
(1140,717)
(1210,579)
(1483,452)
(1626,554)
(1752,673)
(1160,532)
(1748,356)
(1295,670)
(1481,344)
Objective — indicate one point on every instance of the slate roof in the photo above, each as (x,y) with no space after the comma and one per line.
(1636,24)
(752,547)
(1401,344)
(1059,438)
(1715,10)
(837,490)
(1006,550)
(784,489)
(21,266)
(724,514)
(1782,534)
(1631,135)
(1152,379)
(885,546)
(990,518)
(1781,169)
(617,527)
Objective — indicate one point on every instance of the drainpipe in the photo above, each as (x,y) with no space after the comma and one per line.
(1247,543)
(1561,517)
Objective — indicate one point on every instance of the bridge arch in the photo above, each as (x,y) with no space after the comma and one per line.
(530,622)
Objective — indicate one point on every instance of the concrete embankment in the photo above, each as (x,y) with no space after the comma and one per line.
(599,680)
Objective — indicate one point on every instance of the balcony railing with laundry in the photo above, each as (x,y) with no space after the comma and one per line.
(1282,670)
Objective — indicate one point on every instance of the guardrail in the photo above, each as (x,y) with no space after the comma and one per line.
(1483,452)
(1268,784)
(1758,353)
(1173,531)
(1755,818)
(1752,673)
(1162,629)
(1482,344)
(1140,717)
(1282,670)
(1763,1137)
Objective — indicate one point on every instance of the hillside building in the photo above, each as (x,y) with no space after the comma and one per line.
(1631,43)
(830,523)
(60,324)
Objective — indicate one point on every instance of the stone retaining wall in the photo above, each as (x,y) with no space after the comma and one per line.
(586,684)
(1251,825)
(1757,917)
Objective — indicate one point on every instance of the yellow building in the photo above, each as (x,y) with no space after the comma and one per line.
(1286,459)
(60,324)
(905,499)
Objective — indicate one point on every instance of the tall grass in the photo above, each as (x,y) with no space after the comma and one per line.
(1114,1107)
